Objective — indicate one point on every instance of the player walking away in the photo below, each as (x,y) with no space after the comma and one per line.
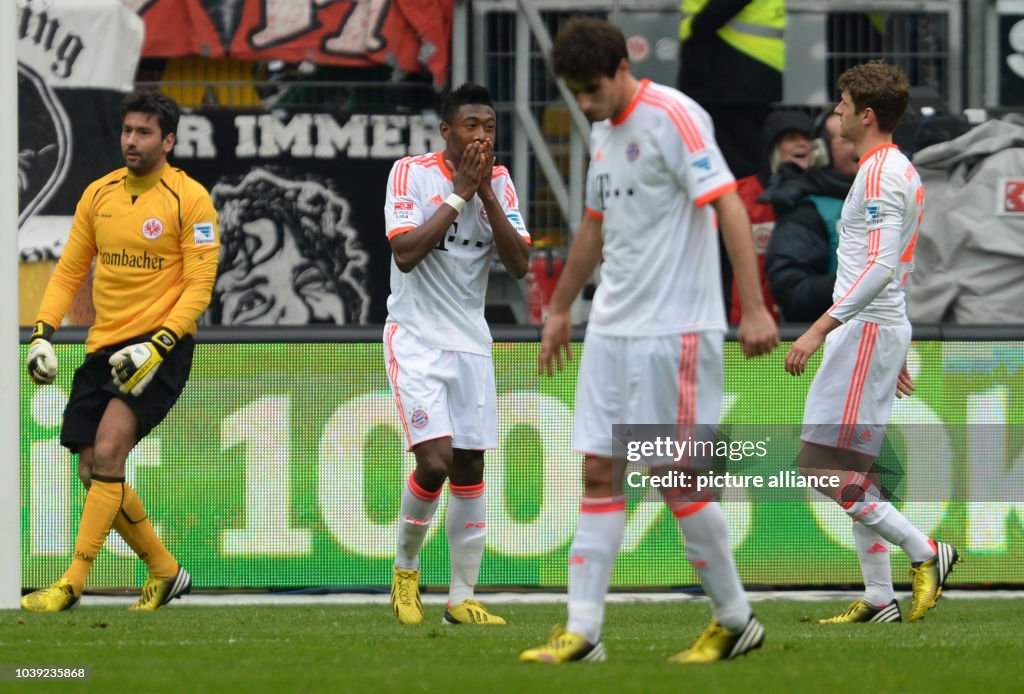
(445,213)
(654,341)
(867,335)
(153,233)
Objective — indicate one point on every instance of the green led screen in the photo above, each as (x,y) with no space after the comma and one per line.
(282,467)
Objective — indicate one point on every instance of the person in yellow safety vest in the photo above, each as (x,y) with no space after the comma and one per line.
(732,59)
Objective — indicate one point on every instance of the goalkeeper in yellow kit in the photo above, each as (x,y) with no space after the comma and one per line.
(153,233)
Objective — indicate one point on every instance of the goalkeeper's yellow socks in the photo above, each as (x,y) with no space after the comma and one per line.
(101,506)
(133,525)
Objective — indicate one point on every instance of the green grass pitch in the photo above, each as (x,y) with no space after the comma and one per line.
(963,646)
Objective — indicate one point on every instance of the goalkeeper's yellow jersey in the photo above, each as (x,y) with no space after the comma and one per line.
(156,244)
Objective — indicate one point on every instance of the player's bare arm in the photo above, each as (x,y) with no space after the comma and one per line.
(413,246)
(808,343)
(584,255)
(512,249)
(758,333)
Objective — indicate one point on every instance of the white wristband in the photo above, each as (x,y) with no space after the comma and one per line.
(456,201)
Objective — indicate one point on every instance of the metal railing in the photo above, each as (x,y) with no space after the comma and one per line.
(507,42)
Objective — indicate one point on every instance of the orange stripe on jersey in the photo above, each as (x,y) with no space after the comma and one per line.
(874,243)
(438,161)
(400,179)
(908,252)
(716,193)
(527,238)
(593,214)
(680,118)
(871,153)
(400,230)
(873,184)
(641,88)
(426,161)
(498,171)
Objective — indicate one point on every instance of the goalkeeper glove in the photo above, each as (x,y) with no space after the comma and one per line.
(41,360)
(135,365)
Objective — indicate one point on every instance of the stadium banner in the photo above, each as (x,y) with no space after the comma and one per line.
(408,34)
(75,62)
(1010,15)
(300,199)
(282,466)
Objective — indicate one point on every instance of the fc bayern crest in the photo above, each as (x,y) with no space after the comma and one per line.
(418,418)
(632,150)
(152,228)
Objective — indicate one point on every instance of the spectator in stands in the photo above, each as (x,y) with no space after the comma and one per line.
(785,137)
(801,260)
(732,57)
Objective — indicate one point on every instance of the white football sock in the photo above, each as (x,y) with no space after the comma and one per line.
(418,506)
(467,531)
(873,553)
(870,508)
(707,549)
(599,532)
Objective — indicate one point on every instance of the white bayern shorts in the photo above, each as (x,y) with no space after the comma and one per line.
(663,379)
(850,400)
(441,393)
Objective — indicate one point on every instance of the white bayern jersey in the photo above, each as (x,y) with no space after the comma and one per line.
(877,233)
(441,301)
(652,173)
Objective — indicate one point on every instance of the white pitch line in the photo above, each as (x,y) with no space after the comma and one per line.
(239,599)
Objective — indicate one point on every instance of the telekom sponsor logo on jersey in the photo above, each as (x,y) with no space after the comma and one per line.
(152,228)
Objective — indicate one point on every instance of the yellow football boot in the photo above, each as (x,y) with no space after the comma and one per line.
(564,647)
(928,578)
(861,611)
(470,612)
(157,592)
(718,643)
(57,598)
(405,595)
